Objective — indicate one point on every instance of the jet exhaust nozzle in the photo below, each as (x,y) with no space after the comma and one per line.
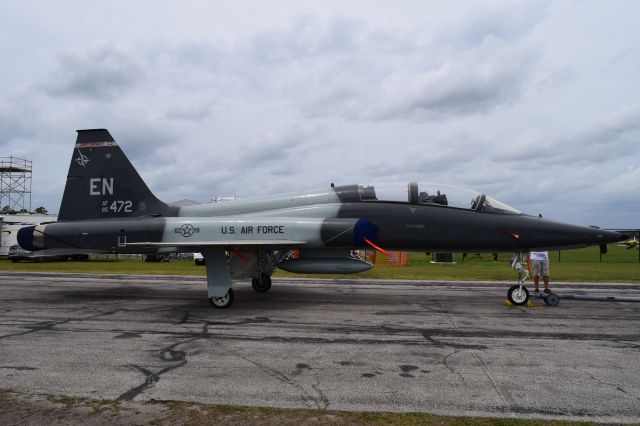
(25,237)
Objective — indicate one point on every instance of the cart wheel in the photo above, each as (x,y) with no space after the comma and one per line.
(552,299)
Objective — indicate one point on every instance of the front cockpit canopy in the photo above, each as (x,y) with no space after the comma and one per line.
(426,194)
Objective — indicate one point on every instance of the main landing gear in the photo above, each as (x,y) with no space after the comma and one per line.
(218,277)
(261,284)
(223,302)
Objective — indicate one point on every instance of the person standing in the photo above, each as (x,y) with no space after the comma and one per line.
(540,266)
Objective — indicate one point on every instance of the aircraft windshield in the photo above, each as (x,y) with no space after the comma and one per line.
(434,194)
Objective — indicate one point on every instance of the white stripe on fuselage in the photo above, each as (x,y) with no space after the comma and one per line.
(199,229)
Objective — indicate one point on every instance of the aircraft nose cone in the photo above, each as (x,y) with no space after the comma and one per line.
(611,236)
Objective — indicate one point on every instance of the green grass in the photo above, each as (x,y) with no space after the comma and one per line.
(619,265)
(66,410)
(203,414)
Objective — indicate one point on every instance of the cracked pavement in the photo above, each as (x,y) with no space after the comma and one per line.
(448,348)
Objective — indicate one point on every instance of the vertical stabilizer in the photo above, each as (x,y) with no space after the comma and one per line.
(102,183)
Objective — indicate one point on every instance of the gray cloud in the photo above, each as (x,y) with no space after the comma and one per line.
(287,145)
(472,80)
(101,72)
(13,127)
(617,135)
(453,89)
(433,156)
(506,21)
(344,68)
(613,136)
(192,112)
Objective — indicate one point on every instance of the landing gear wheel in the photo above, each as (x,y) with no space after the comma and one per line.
(518,297)
(551,299)
(223,302)
(262,284)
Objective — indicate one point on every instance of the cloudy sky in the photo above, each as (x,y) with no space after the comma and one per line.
(536,103)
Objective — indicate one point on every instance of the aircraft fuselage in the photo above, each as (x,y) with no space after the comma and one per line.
(390,225)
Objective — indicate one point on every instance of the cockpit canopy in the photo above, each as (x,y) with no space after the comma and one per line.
(425,193)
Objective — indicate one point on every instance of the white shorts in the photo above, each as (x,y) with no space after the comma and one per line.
(540,267)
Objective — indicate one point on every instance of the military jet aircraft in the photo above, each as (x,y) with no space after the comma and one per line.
(107,208)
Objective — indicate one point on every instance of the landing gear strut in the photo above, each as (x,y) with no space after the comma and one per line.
(518,294)
(261,284)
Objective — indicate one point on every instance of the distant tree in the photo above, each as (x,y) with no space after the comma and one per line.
(6,210)
(24,211)
(41,210)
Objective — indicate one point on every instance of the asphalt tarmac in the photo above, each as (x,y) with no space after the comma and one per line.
(441,347)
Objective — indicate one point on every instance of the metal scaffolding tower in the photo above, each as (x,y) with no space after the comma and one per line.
(15,184)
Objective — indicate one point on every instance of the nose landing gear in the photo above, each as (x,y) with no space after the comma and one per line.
(518,294)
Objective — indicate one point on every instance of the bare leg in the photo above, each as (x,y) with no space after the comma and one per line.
(536,281)
(545,278)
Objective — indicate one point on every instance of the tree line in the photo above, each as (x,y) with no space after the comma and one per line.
(9,210)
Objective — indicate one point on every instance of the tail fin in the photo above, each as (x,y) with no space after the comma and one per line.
(102,183)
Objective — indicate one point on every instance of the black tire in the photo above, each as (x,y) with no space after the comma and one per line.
(262,284)
(224,302)
(551,299)
(516,297)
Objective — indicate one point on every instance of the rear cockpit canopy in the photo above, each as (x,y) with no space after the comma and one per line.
(425,194)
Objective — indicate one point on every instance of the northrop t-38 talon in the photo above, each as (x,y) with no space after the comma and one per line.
(107,208)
